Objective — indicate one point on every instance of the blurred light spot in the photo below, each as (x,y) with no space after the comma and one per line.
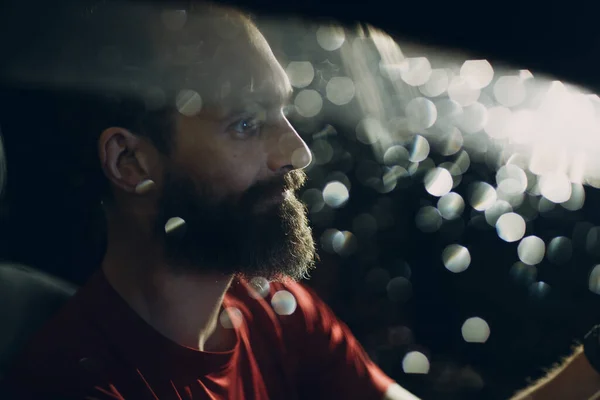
(475,330)
(559,250)
(335,194)
(539,290)
(396,155)
(463,161)
(313,198)
(449,114)
(327,239)
(509,91)
(300,73)
(456,258)
(415,71)
(419,149)
(592,241)
(511,180)
(175,225)
(531,250)
(479,73)
(594,280)
(580,233)
(340,90)
(421,114)
(452,142)
(415,362)
(525,74)
(499,208)
(451,205)
(474,118)
(461,91)
(301,158)
(577,198)
(438,182)
(369,131)
(545,205)
(437,83)
(174,19)
(523,274)
(555,187)
(376,280)
(308,103)
(510,227)
(330,37)
(428,219)
(231,318)
(364,225)
(283,302)
(188,102)
(344,243)
(497,125)
(423,167)
(322,152)
(400,336)
(259,287)
(482,196)
(399,289)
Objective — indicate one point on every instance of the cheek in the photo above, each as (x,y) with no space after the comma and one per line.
(229,174)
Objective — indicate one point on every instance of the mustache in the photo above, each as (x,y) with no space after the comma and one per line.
(291,181)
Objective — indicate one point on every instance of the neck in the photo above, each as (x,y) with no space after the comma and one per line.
(183,307)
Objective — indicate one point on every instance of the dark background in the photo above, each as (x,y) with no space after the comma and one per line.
(528,333)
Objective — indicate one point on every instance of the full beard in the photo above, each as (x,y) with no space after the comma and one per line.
(235,236)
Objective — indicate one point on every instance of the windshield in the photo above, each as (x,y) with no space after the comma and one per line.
(446,195)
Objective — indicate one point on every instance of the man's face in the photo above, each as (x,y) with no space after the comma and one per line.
(233,173)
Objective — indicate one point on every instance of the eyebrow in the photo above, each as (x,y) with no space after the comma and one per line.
(267,99)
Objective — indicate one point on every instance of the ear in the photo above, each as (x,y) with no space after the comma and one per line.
(123,158)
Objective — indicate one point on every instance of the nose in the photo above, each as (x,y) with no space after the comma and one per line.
(287,150)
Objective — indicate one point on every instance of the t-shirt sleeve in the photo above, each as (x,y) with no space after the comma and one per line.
(331,362)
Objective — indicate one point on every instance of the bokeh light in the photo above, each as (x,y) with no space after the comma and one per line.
(399,289)
(456,258)
(555,187)
(510,227)
(421,114)
(419,149)
(258,287)
(428,219)
(340,90)
(188,102)
(482,196)
(438,182)
(531,250)
(344,243)
(559,250)
(437,83)
(335,194)
(475,330)
(594,280)
(509,91)
(330,38)
(499,208)
(479,73)
(415,362)
(308,103)
(283,302)
(415,71)
(451,205)
(231,318)
(300,73)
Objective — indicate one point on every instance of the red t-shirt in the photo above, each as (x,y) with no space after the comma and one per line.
(97,347)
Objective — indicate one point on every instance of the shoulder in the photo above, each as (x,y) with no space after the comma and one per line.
(62,356)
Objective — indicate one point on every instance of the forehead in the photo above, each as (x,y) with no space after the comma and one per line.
(246,71)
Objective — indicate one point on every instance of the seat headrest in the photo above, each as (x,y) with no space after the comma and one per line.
(28,298)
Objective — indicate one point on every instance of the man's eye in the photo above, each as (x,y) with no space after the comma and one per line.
(246,127)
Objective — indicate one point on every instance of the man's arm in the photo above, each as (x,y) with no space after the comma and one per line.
(574,379)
